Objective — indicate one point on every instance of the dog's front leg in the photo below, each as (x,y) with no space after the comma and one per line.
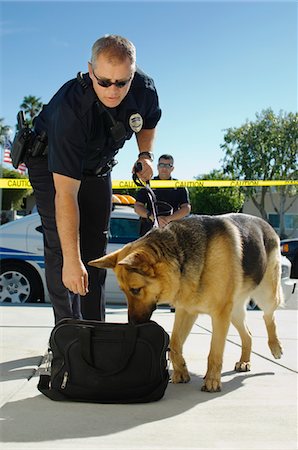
(220,327)
(182,326)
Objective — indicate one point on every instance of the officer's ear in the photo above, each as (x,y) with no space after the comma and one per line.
(90,69)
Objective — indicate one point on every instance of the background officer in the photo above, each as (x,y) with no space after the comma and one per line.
(86,122)
(178,198)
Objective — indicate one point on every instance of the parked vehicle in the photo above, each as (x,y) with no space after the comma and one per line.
(22,276)
(289,248)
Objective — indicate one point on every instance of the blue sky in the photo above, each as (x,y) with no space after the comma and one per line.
(215,64)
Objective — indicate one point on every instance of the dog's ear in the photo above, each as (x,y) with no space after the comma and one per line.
(138,262)
(107,262)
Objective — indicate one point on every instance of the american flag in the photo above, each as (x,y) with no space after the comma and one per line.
(7,159)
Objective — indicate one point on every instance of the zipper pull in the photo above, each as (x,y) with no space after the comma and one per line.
(64,381)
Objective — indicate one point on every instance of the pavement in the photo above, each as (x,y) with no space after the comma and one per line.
(254,410)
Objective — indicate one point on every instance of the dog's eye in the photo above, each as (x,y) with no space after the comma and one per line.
(135,291)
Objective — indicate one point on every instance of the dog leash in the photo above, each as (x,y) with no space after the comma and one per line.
(150,193)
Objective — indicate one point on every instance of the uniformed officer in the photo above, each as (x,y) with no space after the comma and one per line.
(177,198)
(86,122)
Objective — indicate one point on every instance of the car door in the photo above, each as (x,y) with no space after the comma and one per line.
(124,228)
(34,237)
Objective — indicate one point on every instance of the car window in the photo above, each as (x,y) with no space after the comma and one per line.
(123,230)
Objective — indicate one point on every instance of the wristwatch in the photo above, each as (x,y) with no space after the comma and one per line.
(148,155)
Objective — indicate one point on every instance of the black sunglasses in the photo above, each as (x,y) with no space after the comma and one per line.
(165,165)
(108,83)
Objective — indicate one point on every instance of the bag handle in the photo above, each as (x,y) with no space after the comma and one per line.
(128,345)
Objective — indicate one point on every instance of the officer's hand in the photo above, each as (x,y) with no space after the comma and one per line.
(75,277)
(163,221)
(146,171)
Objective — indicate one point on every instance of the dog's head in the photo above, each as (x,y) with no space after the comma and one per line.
(143,278)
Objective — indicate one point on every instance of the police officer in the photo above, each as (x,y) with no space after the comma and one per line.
(86,122)
(177,198)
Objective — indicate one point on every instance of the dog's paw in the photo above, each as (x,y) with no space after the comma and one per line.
(242,366)
(276,349)
(211,385)
(180,376)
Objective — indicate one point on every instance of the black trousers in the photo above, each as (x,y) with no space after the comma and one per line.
(94,200)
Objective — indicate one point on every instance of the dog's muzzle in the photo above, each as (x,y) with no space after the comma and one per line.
(135,317)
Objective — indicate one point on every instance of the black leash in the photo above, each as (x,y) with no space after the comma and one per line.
(150,193)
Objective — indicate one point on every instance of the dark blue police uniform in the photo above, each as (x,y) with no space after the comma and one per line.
(174,196)
(81,145)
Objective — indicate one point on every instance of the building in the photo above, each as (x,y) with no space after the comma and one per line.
(291,214)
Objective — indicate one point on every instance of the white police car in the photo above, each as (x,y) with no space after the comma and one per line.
(22,276)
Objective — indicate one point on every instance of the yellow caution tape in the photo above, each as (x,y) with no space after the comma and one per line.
(24,183)
(15,183)
(127,184)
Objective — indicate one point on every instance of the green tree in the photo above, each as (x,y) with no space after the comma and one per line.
(13,198)
(31,106)
(215,200)
(265,149)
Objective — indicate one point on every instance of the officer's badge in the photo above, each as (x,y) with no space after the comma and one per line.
(136,122)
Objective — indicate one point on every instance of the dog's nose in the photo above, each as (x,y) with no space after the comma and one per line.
(142,318)
(131,319)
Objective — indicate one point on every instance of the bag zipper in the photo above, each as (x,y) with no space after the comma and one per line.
(64,381)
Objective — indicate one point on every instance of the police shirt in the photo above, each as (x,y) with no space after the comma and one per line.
(78,125)
(174,196)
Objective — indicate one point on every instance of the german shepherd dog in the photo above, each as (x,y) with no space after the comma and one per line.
(203,264)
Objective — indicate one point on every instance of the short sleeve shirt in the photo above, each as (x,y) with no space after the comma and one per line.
(174,196)
(78,126)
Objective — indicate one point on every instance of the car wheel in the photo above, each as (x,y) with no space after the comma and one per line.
(19,283)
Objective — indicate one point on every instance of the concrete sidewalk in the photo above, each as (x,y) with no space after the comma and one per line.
(255,410)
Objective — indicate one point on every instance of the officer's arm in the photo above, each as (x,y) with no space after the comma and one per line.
(183,211)
(145,139)
(141,210)
(74,274)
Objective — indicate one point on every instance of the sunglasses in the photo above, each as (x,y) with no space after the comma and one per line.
(165,165)
(108,83)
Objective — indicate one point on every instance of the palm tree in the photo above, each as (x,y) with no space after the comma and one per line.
(31,106)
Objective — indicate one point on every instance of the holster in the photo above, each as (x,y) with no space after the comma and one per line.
(26,142)
(20,146)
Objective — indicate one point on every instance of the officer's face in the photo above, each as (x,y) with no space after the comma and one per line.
(109,70)
(165,168)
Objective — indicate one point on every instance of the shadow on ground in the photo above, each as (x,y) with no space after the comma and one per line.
(39,419)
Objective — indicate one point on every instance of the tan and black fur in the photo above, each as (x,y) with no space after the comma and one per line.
(203,264)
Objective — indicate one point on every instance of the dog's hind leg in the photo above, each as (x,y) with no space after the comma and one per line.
(273,341)
(182,327)
(238,320)
(269,319)
(268,296)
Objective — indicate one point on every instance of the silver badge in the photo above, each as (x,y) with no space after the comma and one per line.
(136,122)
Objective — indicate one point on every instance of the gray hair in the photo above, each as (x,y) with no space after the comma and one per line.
(115,47)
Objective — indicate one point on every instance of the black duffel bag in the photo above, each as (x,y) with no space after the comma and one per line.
(107,362)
